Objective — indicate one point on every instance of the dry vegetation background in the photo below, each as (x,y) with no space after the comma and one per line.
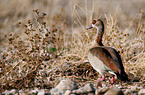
(40,47)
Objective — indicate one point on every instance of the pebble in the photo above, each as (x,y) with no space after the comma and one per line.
(6,92)
(68,87)
(114,91)
(85,89)
(33,92)
(101,91)
(14,91)
(41,92)
(141,92)
(65,84)
(67,92)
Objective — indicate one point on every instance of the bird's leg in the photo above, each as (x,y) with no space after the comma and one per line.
(99,80)
(103,78)
(112,81)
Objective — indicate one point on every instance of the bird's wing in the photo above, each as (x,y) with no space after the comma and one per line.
(109,57)
(115,55)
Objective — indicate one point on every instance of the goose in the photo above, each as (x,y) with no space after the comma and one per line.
(105,60)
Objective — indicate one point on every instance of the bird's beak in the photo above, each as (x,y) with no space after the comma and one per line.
(89,27)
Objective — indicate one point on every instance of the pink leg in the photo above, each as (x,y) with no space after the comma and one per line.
(103,78)
(99,80)
(112,82)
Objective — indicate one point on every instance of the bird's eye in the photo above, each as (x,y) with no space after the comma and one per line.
(94,21)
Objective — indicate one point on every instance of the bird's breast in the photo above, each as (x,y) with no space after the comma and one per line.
(98,65)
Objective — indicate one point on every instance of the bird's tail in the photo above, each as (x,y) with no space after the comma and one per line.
(123,76)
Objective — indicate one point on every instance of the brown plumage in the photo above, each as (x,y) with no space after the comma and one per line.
(105,59)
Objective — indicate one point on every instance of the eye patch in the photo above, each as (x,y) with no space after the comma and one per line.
(94,21)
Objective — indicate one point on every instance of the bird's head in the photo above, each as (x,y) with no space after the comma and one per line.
(98,24)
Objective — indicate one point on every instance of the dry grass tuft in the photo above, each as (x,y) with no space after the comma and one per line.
(44,55)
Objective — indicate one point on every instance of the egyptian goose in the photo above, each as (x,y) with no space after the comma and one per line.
(104,59)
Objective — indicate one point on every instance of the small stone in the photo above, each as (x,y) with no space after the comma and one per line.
(85,89)
(56,91)
(90,93)
(33,92)
(141,91)
(14,91)
(114,91)
(67,92)
(65,84)
(101,91)
(41,92)
(6,92)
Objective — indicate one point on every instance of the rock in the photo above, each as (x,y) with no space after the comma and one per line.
(41,92)
(85,89)
(64,85)
(141,92)
(6,92)
(91,93)
(101,91)
(14,91)
(68,92)
(34,92)
(114,91)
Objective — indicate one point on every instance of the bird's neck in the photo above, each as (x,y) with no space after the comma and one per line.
(98,38)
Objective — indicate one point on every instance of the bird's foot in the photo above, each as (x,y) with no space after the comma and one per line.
(99,81)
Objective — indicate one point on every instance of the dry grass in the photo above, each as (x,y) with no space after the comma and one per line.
(49,47)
